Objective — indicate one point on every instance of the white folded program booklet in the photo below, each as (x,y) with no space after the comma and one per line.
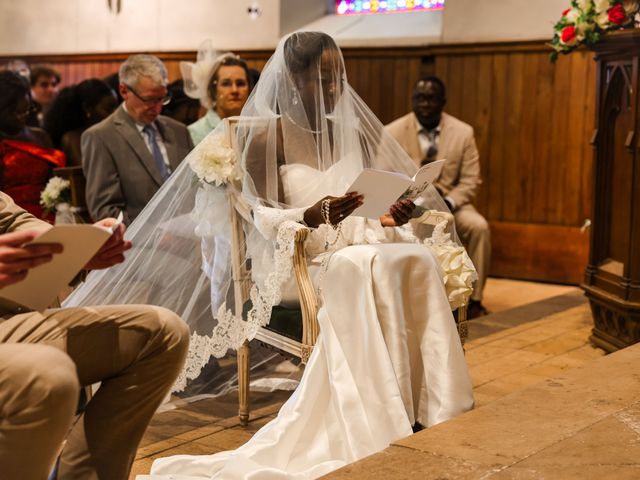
(43,283)
(381,189)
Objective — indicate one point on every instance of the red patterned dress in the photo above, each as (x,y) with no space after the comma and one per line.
(25,169)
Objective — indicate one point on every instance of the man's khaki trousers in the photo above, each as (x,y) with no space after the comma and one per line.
(474,232)
(136,352)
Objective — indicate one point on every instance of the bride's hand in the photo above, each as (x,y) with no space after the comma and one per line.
(339,209)
(399,214)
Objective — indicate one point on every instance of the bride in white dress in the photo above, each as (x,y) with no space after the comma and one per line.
(388,355)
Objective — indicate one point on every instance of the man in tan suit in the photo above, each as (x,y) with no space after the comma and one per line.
(429,134)
(136,351)
(128,155)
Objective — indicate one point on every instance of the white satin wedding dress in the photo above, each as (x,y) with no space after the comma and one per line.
(388,356)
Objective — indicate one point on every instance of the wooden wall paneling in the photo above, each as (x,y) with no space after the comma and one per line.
(173,70)
(415,71)
(455,85)
(481,125)
(541,147)
(359,75)
(469,89)
(525,138)
(373,89)
(575,142)
(384,89)
(538,252)
(512,171)
(352,69)
(442,67)
(495,172)
(560,127)
(401,89)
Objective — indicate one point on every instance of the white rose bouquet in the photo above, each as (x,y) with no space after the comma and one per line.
(216,163)
(56,192)
(458,272)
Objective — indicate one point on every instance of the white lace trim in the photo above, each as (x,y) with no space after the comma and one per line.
(231,330)
(268,220)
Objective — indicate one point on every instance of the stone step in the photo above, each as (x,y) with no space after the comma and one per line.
(584,423)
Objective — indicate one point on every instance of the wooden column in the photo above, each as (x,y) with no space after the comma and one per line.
(612,277)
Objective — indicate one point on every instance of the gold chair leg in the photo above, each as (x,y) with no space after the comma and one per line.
(244,354)
(463,329)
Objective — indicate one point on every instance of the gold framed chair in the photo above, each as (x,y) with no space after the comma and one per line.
(276,338)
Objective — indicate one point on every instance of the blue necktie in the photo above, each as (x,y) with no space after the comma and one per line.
(155,150)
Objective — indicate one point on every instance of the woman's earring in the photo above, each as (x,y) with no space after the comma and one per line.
(294,100)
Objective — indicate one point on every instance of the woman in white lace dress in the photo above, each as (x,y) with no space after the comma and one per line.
(388,355)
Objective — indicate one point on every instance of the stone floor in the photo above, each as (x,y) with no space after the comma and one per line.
(513,348)
(581,424)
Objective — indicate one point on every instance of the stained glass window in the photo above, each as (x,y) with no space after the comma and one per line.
(355,7)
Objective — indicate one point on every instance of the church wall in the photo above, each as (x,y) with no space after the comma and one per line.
(470,21)
(95,26)
(92,26)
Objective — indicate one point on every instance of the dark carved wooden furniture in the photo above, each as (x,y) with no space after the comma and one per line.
(612,277)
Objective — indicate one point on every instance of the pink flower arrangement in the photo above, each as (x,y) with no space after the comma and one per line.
(585,21)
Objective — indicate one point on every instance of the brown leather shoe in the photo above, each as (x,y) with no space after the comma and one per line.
(476,309)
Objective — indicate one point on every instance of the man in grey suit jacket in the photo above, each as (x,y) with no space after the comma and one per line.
(429,134)
(128,155)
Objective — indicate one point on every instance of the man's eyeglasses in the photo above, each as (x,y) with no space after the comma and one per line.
(151,101)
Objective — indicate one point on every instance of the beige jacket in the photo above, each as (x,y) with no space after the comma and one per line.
(12,219)
(460,176)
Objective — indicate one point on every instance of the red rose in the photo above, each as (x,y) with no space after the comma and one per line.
(568,34)
(564,14)
(617,15)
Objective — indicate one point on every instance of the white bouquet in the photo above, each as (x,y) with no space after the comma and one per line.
(56,192)
(215,162)
(457,268)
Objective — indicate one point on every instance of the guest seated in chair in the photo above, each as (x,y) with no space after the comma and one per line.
(222,83)
(44,89)
(388,355)
(26,156)
(428,134)
(45,357)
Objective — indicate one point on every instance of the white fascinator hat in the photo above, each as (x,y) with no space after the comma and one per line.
(197,76)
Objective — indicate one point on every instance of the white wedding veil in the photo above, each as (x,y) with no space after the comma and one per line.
(303,134)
